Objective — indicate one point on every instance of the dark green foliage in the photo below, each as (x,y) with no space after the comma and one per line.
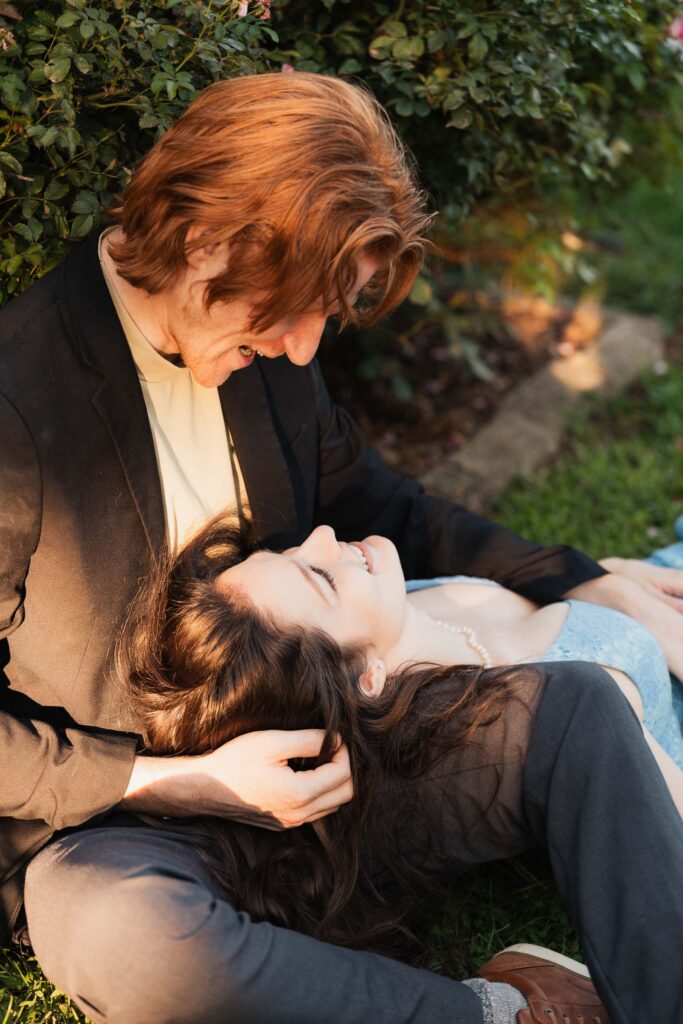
(504,98)
(85,92)
(535,93)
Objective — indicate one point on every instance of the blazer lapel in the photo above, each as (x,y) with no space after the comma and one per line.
(122,407)
(253,427)
(100,341)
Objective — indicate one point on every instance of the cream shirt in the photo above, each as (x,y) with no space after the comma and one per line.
(197,465)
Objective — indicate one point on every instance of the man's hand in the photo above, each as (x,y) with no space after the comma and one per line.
(649,604)
(247,780)
(659,581)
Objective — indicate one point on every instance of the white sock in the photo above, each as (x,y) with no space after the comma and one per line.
(500,1003)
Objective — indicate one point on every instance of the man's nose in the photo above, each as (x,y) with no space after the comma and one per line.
(301,343)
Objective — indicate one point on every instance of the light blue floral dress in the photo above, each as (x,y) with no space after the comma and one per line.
(606,637)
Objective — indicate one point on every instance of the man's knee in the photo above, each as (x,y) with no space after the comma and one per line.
(141,946)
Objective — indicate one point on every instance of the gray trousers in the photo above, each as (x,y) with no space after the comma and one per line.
(127,920)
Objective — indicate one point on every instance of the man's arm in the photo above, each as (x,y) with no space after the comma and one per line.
(359,495)
(248,779)
(51,771)
(63,773)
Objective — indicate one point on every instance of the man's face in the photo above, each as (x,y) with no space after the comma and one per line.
(214,343)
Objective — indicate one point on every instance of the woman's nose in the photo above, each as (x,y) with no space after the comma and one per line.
(321,542)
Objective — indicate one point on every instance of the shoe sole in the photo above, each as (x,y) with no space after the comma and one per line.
(551,956)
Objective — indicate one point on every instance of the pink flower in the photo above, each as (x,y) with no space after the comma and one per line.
(676,29)
(242,10)
(266,12)
(286,68)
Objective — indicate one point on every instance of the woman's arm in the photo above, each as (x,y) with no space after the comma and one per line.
(670,770)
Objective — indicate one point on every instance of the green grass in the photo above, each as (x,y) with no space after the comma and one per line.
(26,997)
(618,486)
(640,247)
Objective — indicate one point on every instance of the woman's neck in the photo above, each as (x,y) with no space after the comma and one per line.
(425,639)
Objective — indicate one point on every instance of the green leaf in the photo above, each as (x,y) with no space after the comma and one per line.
(87,28)
(470,350)
(379,44)
(82,63)
(349,67)
(82,226)
(435,40)
(148,120)
(23,231)
(395,28)
(35,228)
(56,189)
(455,99)
(470,28)
(57,70)
(401,387)
(3,185)
(29,207)
(422,292)
(460,118)
(408,49)
(67,19)
(404,107)
(69,140)
(10,161)
(48,137)
(86,202)
(478,48)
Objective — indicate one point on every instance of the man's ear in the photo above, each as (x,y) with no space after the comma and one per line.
(207,260)
(373,679)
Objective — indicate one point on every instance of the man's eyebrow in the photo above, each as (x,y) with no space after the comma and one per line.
(314,581)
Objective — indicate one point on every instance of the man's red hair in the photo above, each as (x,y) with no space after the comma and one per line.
(300,173)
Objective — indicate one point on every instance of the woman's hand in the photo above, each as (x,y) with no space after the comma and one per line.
(247,780)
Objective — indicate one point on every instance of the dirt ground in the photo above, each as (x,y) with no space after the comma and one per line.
(442,398)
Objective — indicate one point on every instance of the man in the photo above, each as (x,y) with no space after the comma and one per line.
(133,406)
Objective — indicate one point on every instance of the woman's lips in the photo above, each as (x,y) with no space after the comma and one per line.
(367,552)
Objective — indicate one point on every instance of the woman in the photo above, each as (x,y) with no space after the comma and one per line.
(225,639)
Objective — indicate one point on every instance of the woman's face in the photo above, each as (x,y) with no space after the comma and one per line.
(353,592)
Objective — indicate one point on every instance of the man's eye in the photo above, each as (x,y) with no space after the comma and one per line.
(327,576)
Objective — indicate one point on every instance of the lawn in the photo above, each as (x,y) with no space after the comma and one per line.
(616,489)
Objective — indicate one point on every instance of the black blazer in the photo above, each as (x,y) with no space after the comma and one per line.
(81,514)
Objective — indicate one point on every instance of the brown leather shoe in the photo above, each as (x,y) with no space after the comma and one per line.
(557,989)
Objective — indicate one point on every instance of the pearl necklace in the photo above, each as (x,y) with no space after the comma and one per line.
(470,639)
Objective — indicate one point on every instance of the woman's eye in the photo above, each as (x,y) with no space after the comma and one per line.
(327,576)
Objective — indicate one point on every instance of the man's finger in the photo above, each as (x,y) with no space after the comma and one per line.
(297,743)
(670,580)
(671,600)
(326,783)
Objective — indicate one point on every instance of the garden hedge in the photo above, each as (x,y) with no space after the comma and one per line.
(505,97)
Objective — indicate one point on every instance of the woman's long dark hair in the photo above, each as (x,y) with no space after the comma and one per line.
(201,666)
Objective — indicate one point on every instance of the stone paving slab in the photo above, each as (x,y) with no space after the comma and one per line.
(527,431)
